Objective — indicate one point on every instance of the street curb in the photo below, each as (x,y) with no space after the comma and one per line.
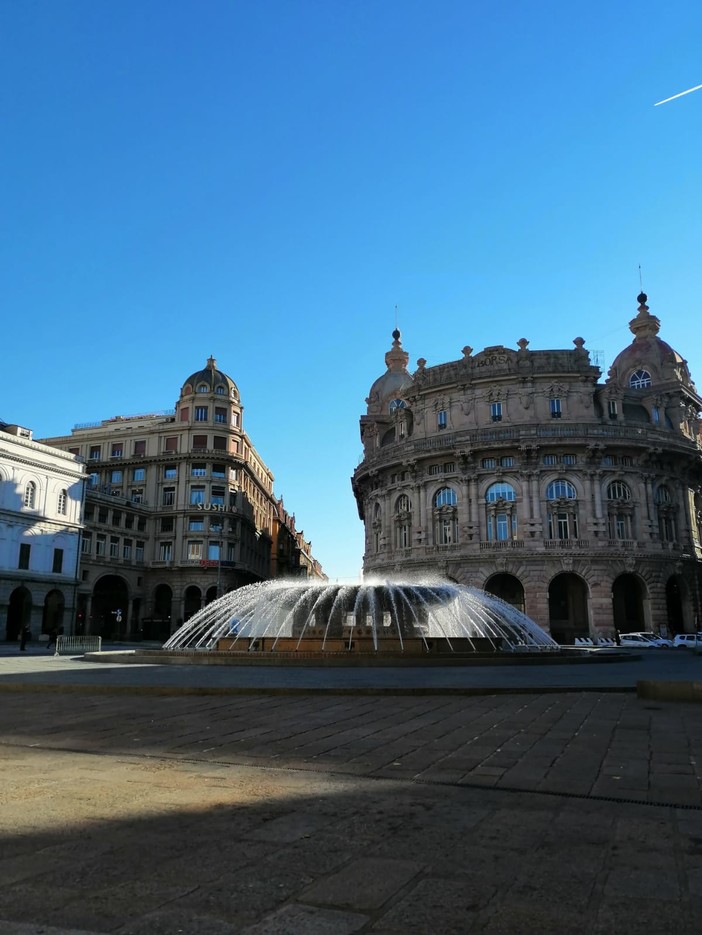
(202,690)
(670,691)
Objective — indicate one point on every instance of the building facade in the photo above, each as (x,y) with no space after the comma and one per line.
(521,472)
(180,509)
(41,494)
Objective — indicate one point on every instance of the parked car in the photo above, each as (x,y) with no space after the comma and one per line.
(644,640)
(688,640)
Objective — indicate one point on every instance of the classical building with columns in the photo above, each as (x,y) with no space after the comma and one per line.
(180,508)
(521,472)
(41,496)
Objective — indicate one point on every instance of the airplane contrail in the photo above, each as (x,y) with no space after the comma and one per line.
(682,94)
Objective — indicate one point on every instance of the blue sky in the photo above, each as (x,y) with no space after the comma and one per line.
(264,181)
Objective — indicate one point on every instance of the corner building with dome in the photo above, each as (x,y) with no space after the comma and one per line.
(179,509)
(520,472)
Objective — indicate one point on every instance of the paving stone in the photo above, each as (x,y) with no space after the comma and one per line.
(514,918)
(173,922)
(298,919)
(435,905)
(366,884)
(624,916)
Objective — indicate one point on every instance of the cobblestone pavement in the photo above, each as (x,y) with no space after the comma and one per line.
(328,815)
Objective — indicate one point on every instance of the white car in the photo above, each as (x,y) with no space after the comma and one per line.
(688,640)
(644,640)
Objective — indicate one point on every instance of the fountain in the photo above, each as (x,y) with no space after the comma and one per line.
(388,617)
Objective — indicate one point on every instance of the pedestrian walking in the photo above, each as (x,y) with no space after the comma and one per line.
(52,638)
(25,634)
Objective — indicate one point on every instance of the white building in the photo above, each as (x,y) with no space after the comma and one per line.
(41,493)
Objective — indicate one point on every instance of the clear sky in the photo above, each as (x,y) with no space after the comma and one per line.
(264,180)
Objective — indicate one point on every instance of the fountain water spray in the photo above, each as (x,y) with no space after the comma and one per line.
(374,615)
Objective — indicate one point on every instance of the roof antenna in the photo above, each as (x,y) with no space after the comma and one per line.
(396,318)
(640,278)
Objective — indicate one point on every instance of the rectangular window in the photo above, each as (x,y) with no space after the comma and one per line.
(95,453)
(194,550)
(199,442)
(165,552)
(496,412)
(201,413)
(219,443)
(441,419)
(568,459)
(433,469)
(216,525)
(197,495)
(562,525)
(127,549)
(489,463)
(218,470)
(114,547)
(141,523)
(115,477)
(185,414)
(167,524)
(139,551)
(449,467)
(217,496)
(555,408)
(168,496)
(129,521)
(100,545)
(171,443)
(198,469)
(195,524)
(136,494)
(102,514)
(502,522)
(220,414)
(626,461)
(94,479)
(74,451)
(550,459)
(116,518)
(86,546)
(170,472)
(213,551)
(140,447)
(24,551)
(612,408)
(139,474)
(231,551)
(656,415)
(116,450)
(234,445)
(507,462)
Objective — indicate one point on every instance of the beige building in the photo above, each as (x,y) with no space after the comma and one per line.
(518,471)
(180,508)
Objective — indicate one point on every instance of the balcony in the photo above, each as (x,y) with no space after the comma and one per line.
(566,543)
(503,544)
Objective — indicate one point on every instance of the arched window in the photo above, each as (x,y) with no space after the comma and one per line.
(377,526)
(30,495)
(445,516)
(403,522)
(618,490)
(619,511)
(663,495)
(397,404)
(445,497)
(203,388)
(62,501)
(501,514)
(562,514)
(560,490)
(640,380)
(221,390)
(500,491)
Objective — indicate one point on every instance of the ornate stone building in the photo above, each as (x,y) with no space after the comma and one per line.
(518,471)
(180,508)
(41,496)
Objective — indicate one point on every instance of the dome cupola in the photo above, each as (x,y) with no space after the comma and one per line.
(394,383)
(210,380)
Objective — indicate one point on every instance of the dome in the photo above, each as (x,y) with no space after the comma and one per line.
(214,380)
(648,360)
(395,382)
